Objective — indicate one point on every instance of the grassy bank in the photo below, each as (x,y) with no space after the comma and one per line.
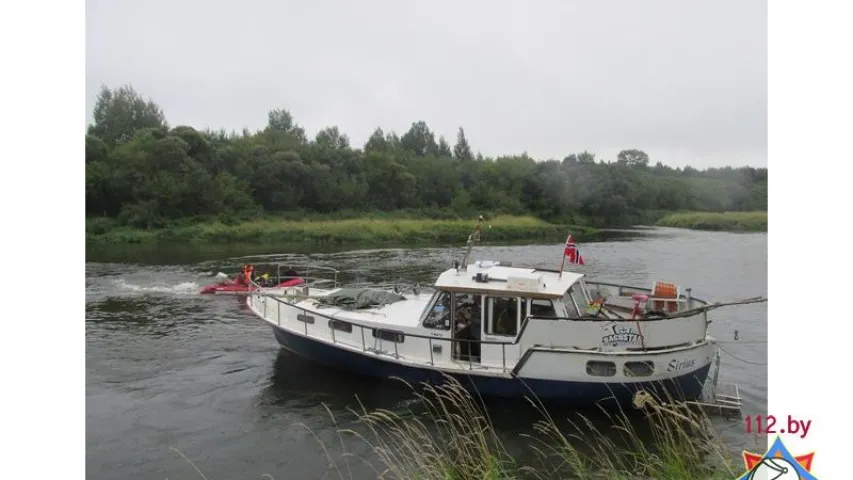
(452,438)
(718,221)
(337,231)
(456,440)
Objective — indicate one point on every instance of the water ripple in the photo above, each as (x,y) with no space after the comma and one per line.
(169,367)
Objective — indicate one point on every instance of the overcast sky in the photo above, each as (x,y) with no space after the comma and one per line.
(684,80)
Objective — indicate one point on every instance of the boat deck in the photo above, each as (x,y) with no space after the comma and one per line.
(405,313)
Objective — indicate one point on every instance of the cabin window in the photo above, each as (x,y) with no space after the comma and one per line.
(542,308)
(389,335)
(600,369)
(639,369)
(439,316)
(577,294)
(503,316)
(584,288)
(341,326)
(571,309)
(575,302)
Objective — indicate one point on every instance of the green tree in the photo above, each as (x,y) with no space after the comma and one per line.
(419,140)
(633,157)
(141,173)
(462,150)
(119,113)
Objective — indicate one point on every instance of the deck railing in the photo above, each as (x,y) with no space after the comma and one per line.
(304,315)
(313,275)
(320,276)
(627,291)
(307,316)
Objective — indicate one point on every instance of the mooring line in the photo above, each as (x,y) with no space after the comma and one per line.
(738,358)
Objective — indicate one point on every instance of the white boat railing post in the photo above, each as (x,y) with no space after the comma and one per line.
(396,354)
(333,333)
(716,377)
(363,344)
(305,317)
(503,356)
(278,313)
(431,360)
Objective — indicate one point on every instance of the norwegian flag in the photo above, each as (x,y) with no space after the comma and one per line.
(572,252)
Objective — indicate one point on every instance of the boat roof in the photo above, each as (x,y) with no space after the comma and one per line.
(499,279)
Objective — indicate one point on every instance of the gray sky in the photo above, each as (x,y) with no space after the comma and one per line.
(684,80)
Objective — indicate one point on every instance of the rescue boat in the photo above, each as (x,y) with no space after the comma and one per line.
(283,279)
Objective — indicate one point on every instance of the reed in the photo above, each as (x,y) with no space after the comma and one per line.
(718,221)
(456,440)
(399,231)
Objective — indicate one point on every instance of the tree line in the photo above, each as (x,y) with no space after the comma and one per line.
(144,173)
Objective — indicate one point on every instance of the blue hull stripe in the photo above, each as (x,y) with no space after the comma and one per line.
(688,386)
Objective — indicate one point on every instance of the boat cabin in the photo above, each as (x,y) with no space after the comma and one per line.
(484,307)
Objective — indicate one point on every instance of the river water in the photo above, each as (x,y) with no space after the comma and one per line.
(169,370)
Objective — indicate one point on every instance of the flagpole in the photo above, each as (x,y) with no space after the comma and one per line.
(563,262)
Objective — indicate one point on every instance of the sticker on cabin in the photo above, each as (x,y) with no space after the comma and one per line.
(618,335)
(777,464)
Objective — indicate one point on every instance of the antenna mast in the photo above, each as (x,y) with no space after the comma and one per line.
(474,237)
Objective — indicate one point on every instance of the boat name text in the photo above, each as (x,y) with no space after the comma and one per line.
(674,365)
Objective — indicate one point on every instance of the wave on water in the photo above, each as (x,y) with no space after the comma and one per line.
(182,288)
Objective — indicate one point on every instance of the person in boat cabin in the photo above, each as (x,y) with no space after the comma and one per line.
(468,325)
(476,309)
(505,320)
(264,280)
(463,328)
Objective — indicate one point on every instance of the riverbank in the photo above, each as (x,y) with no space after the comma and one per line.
(456,439)
(717,221)
(447,434)
(352,231)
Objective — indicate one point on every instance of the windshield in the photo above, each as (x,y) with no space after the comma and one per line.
(575,302)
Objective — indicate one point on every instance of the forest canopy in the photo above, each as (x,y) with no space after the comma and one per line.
(141,172)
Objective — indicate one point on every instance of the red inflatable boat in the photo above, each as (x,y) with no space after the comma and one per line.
(232,287)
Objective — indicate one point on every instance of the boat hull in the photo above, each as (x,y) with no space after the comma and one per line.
(684,387)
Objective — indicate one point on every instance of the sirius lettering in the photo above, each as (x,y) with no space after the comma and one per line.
(674,365)
(621,335)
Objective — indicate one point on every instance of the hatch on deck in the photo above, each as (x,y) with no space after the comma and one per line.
(529,282)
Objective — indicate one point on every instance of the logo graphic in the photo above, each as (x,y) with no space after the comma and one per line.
(620,335)
(777,464)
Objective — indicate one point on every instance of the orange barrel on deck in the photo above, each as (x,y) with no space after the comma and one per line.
(665,290)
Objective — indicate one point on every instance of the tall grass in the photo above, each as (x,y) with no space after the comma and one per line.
(343,231)
(454,439)
(720,221)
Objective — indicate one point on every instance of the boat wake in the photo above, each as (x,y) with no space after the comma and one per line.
(182,288)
